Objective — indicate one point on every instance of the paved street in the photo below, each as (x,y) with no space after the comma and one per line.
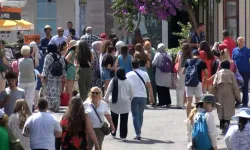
(163,129)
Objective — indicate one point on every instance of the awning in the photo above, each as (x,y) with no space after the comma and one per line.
(14,25)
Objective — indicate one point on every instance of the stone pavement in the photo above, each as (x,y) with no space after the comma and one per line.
(163,129)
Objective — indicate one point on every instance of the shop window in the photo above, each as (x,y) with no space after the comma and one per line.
(46,15)
(231,17)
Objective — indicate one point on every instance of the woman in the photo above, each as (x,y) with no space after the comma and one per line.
(63,48)
(186,53)
(17,121)
(108,66)
(105,45)
(142,56)
(35,54)
(124,60)
(226,91)
(53,81)
(237,137)
(120,101)
(204,107)
(4,135)
(14,64)
(93,103)
(76,126)
(208,57)
(70,67)
(162,79)
(150,51)
(137,37)
(26,77)
(225,55)
(85,72)
(97,81)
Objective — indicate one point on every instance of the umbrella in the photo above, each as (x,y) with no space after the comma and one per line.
(10,25)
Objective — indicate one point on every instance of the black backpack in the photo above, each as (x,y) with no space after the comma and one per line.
(56,68)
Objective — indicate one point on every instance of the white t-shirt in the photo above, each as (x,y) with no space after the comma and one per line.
(139,89)
(42,127)
(102,110)
(57,40)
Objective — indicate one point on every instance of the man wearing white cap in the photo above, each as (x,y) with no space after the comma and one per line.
(45,40)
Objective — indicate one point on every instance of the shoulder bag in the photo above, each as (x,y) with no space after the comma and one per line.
(140,78)
(105,127)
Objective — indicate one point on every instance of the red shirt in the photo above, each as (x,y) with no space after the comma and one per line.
(231,44)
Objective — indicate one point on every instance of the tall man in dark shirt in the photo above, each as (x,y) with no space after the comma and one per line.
(198,36)
(241,57)
(45,40)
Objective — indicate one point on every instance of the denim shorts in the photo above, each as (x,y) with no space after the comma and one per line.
(106,74)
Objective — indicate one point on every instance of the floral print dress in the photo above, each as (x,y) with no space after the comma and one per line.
(97,81)
(69,142)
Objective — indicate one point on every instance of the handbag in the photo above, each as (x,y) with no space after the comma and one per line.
(14,142)
(105,127)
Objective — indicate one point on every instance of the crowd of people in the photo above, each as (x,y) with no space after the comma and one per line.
(102,78)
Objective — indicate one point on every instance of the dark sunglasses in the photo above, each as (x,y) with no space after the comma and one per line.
(95,93)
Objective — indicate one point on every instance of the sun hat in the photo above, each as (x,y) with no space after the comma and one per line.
(208,98)
(47,27)
(244,113)
(73,43)
(1,113)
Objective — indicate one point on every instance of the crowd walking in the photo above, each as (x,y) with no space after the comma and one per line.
(101,79)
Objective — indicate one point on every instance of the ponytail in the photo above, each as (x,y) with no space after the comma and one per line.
(242,123)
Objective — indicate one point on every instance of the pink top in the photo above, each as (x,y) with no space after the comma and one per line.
(14,66)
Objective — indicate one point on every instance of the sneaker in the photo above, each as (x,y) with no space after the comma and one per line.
(123,139)
(137,138)
(113,136)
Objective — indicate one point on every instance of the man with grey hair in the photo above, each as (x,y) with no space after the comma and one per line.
(59,38)
(89,38)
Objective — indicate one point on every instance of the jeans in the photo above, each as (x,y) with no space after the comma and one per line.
(137,108)
(30,90)
(246,77)
(123,124)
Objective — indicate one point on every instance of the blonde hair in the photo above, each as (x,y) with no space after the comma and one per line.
(25,50)
(147,45)
(191,115)
(93,89)
(4,121)
(22,109)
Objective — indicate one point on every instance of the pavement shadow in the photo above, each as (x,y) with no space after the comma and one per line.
(148,141)
(222,149)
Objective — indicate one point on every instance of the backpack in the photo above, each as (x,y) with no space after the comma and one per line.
(56,68)
(191,79)
(200,137)
(3,67)
(166,64)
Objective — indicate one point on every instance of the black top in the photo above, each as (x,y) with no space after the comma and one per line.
(107,60)
(197,39)
(202,66)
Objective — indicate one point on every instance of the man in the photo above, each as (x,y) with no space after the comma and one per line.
(3,64)
(139,80)
(45,40)
(89,38)
(42,128)
(72,34)
(67,32)
(197,90)
(59,38)
(228,41)
(241,57)
(197,36)
(9,96)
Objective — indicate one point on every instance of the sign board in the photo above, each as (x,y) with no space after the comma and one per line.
(32,37)
(9,13)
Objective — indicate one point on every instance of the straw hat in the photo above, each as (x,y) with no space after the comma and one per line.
(73,43)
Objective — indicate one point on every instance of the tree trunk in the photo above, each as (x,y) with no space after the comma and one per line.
(191,15)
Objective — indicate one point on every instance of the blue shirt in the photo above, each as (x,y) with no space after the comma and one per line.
(44,44)
(241,58)
(40,69)
(125,64)
(196,39)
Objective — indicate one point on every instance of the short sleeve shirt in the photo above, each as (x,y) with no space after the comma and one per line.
(102,110)
(196,39)
(200,67)
(107,60)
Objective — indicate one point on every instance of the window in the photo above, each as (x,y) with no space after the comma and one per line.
(46,15)
(231,17)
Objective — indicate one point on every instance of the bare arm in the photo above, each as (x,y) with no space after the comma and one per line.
(116,64)
(58,134)
(183,70)
(150,90)
(108,117)
(68,58)
(90,132)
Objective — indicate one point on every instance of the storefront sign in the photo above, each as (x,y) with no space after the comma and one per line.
(9,13)
(31,37)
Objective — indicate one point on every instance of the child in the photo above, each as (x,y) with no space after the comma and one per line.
(226,91)
(204,106)
(14,64)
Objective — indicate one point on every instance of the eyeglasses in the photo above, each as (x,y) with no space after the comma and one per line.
(95,93)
